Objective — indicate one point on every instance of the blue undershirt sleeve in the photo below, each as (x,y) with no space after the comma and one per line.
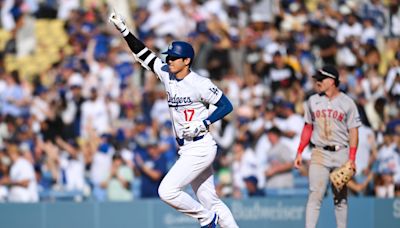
(224,107)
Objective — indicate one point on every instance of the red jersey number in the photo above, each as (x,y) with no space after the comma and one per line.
(189,113)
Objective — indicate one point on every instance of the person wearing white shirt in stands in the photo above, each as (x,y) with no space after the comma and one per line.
(21,180)
(289,126)
(4,163)
(348,29)
(366,150)
(101,168)
(168,20)
(244,164)
(95,115)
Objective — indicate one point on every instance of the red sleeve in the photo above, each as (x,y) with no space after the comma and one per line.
(352,155)
(305,137)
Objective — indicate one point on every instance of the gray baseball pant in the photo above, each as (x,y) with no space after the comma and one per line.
(322,163)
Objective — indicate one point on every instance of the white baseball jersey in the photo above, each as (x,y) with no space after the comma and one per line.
(188,98)
(21,170)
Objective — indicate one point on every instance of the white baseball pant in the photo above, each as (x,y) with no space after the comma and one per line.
(194,167)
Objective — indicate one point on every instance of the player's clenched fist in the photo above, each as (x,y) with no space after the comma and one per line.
(193,129)
(118,22)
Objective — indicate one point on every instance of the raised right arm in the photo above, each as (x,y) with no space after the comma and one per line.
(140,52)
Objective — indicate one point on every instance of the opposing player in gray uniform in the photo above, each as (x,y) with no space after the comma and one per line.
(331,122)
(189,97)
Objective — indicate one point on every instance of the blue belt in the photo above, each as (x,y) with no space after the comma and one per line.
(182,141)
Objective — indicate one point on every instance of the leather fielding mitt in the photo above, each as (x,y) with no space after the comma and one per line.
(342,175)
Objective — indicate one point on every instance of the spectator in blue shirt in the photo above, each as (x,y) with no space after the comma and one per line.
(168,145)
(15,99)
(252,188)
(152,167)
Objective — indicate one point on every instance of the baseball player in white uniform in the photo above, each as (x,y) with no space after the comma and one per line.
(331,123)
(189,97)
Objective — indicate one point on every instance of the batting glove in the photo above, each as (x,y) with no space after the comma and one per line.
(119,23)
(193,129)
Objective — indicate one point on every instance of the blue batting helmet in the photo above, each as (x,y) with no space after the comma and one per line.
(180,49)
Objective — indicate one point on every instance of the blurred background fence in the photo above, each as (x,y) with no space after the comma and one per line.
(257,212)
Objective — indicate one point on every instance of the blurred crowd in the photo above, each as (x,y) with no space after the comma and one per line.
(95,125)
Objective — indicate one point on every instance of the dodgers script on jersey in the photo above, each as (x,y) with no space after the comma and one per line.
(188,98)
(331,119)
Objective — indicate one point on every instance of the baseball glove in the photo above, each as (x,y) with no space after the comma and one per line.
(342,175)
